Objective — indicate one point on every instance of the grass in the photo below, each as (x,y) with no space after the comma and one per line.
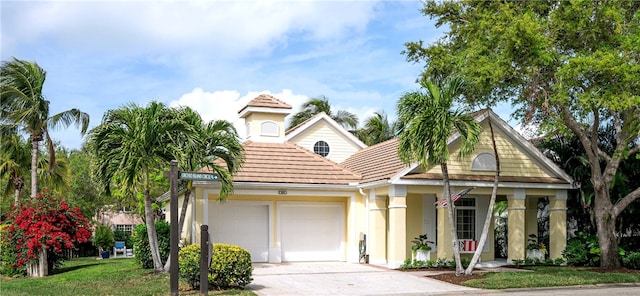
(551,276)
(88,276)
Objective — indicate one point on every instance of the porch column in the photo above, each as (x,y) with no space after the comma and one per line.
(377,232)
(531,218)
(397,225)
(557,224)
(516,222)
(445,249)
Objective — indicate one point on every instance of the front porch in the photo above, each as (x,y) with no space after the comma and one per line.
(399,213)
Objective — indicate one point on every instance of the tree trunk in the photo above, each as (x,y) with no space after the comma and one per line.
(492,202)
(17,202)
(39,268)
(18,184)
(183,213)
(34,166)
(606,225)
(151,231)
(452,222)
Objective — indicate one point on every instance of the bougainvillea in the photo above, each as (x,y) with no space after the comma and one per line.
(47,221)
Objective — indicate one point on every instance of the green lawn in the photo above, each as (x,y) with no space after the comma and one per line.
(551,276)
(88,276)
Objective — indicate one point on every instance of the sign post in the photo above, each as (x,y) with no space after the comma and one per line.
(197,176)
(173,204)
(174,175)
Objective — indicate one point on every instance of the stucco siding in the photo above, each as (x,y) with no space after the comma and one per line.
(340,148)
(414,219)
(255,121)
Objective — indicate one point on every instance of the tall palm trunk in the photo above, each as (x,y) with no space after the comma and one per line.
(18,184)
(151,230)
(183,213)
(492,202)
(41,269)
(452,222)
(35,140)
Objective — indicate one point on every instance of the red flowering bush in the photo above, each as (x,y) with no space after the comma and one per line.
(48,222)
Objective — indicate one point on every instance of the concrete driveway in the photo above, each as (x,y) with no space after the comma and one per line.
(339,278)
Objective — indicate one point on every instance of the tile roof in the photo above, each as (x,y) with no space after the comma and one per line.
(377,162)
(265,100)
(487,178)
(289,163)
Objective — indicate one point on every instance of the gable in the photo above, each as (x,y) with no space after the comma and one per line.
(340,147)
(322,131)
(515,159)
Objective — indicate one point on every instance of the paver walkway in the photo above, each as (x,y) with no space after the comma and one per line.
(339,278)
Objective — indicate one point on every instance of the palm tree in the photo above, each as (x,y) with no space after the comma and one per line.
(218,140)
(14,161)
(492,202)
(129,143)
(427,122)
(377,129)
(55,176)
(25,107)
(316,105)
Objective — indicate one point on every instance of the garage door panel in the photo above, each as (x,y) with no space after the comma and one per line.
(312,232)
(244,225)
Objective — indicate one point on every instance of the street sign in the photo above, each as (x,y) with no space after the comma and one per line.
(196,176)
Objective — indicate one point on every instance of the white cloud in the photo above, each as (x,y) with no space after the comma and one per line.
(225,104)
(226,28)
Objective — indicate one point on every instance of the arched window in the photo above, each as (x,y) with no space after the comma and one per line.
(269,128)
(484,162)
(321,148)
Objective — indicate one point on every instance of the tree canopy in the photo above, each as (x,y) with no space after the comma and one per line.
(316,105)
(569,66)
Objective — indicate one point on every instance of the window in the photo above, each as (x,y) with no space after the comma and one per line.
(321,148)
(126,228)
(248,127)
(484,162)
(269,128)
(466,218)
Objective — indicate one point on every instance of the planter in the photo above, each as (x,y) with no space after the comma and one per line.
(535,254)
(105,254)
(421,255)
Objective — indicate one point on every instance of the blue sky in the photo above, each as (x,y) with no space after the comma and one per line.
(215,56)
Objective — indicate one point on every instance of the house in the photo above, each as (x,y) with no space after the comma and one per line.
(119,220)
(312,193)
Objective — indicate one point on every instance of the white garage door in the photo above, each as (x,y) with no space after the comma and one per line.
(242,224)
(312,232)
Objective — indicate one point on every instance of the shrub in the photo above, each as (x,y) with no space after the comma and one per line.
(632,260)
(417,264)
(582,250)
(230,267)
(8,258)
(46,222)
(189,265)
(141,243)
(103,238)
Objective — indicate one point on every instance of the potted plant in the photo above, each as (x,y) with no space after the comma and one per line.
(104,240)
(535,249)
(421,251)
